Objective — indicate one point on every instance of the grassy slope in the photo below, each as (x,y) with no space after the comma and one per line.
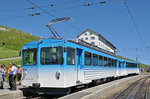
(8,53)
(14,39)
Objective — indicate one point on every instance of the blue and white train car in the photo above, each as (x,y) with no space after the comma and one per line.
(50,65)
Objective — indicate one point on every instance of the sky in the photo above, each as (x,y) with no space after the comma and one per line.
(111,20)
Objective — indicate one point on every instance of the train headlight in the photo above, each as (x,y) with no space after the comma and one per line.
(57,75)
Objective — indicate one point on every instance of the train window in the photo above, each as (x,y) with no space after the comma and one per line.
(132,65)
(87,57)
(119,64)
(113,63)
(109,62)
(51,55)
(105,61)
(122,64)
(100,60)
(71,56)
(30,57)
(95,60)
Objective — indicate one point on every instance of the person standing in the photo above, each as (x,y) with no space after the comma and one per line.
(13,72)
(9,69)
(3,44)
(19,74)
(2,74)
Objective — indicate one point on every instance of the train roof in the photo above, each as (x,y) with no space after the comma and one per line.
(43,41)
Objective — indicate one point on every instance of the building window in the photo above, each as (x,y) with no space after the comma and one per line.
(93,43)
(92,38)
(85,33)
(81,38)
(87,57)
(99,44)
(91,33)
(86,38)
(71,56)
(99,38)
(95,60)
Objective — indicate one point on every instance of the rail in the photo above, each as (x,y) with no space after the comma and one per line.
(134,91)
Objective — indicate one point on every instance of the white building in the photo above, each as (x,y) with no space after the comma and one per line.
(97,40)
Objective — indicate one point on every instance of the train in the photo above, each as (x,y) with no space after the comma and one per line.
(54,66)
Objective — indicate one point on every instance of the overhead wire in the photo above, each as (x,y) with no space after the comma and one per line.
(61,3)
(136,27)
(53,15)
(60,9)
(51,5)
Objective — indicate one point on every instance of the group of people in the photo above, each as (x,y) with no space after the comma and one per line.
(12,72)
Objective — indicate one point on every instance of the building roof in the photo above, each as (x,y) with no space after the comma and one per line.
(88,30)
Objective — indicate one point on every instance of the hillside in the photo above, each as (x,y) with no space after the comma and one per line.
(8,53)
(14,39)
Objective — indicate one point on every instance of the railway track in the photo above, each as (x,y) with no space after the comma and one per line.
(137,90)
(147,90)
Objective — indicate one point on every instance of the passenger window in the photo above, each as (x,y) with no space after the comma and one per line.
(113,63)
(100,60)
(119,64)
(95,60)
(133,65)
(109,62)
(105,61)
(71,56)
(87,57)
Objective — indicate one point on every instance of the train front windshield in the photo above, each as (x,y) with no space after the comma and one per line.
(51,55)
(30,57)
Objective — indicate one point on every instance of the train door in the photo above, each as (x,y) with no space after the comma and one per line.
(124,64)
(118,70)
(30,68)
(122,69)
(79,66)
(71,66)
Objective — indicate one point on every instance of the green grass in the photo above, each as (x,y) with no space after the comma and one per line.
(124,58)
(7,62)
(8,53)
(15,39)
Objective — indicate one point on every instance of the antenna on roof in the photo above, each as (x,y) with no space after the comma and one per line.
(54,21)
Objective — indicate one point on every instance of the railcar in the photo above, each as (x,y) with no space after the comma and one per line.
(53,66)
